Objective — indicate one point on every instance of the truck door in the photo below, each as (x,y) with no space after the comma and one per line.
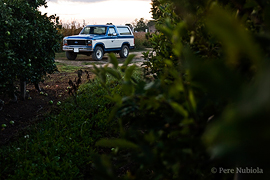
(111,41)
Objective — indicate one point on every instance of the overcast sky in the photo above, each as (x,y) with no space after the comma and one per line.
(99,11)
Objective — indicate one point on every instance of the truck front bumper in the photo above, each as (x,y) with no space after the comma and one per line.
(78,49)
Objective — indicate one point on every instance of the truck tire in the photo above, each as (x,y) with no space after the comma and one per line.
(124,51)
(98,53)
(71,55)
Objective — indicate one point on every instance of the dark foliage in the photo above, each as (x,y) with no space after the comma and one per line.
(208,92)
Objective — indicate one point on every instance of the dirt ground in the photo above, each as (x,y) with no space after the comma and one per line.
(20,115)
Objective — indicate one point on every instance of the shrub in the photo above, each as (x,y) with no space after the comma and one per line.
(160,134)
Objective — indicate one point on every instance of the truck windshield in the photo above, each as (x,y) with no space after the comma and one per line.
(94,30)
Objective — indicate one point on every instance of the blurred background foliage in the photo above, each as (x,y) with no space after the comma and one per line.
(204,101)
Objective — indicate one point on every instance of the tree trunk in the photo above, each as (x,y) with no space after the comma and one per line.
(23,89)
(37,87)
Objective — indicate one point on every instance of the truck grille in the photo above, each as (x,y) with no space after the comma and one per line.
(76,42)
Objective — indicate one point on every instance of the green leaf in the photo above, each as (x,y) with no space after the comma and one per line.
(192,100)
(114,73)
(149,85)
(115,98)
(102,75)
(96,70)
(129,72)
(150,137)
(128,88)
(113,60)
(236,38)
(128,60)
(178,108)
(121,143)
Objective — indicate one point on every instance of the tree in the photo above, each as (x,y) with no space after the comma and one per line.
(140,25)
(155,9)
(29,41)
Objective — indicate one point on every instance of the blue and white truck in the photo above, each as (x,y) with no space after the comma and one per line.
(96,40)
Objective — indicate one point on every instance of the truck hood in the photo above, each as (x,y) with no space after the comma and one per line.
(84,36)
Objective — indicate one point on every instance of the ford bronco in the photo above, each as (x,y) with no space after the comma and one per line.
(99,39)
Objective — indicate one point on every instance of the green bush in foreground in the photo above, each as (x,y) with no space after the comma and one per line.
(160,132)
(208,105)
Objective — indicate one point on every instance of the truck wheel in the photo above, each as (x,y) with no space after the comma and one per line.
(124,51)
(71,55)
(98,53)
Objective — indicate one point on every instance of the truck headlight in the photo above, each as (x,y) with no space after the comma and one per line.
(65,42)
(89,42)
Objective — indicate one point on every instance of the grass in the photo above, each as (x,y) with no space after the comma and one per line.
(62,67)
(92,63)
(88,63)
(62,146)
(62,56)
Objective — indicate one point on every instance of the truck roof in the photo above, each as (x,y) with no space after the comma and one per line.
(108,25)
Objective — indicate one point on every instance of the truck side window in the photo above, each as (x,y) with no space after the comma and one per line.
(124,31)
(111,31)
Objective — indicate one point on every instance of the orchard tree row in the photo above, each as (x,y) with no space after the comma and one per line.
(28,44)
